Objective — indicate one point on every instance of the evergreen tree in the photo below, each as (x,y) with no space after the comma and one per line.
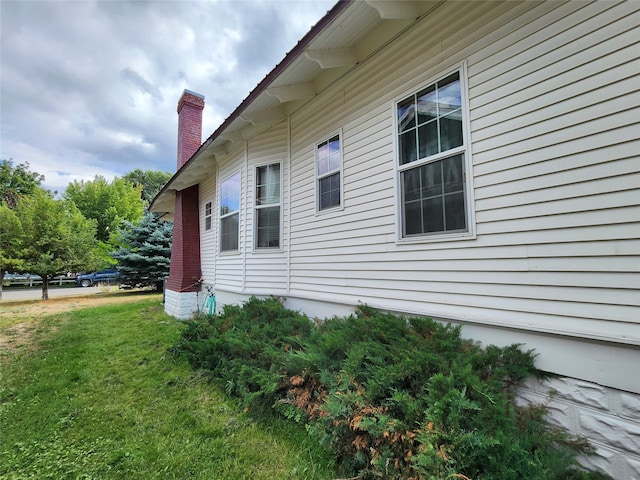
(144,255)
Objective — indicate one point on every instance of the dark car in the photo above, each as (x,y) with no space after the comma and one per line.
(109,275)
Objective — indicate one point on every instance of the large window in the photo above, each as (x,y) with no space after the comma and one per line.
(229,213)
(328,173)
(432,155)
(267,206)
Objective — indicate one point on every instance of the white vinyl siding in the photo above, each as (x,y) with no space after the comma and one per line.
(229,265)
(555,176)
(265,269)
(208,239)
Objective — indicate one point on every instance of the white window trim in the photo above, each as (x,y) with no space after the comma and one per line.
(317,177)
(255,207)
(220,217)
(465,150)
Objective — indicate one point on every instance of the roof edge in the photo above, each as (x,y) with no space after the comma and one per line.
(294,53)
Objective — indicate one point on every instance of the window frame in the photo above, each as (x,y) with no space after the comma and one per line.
(463,150)
(208,216)
(222,216)
(339,171)
(257,207)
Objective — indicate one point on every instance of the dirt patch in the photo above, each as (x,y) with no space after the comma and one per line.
(19,321)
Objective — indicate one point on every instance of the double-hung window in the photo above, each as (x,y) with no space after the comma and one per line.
(329,173)
(229,213)
(267,206)
(431,157)
(207,216)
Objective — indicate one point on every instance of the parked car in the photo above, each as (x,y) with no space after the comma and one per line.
(109,275)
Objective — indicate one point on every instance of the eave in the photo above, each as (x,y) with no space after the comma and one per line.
(337,43)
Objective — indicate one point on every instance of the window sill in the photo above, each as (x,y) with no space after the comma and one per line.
(435,238)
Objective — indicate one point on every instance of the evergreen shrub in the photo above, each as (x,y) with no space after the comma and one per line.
(392,397)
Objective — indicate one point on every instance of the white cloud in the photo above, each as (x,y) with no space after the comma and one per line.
(90,88)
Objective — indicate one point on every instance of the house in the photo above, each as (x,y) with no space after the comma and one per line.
(476,162)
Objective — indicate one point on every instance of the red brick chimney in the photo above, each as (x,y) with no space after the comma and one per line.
(190,109)
(185,251)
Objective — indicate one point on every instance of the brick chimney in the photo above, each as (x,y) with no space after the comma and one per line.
(185,267)
(190,109)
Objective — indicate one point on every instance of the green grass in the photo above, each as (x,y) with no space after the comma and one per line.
(98,396)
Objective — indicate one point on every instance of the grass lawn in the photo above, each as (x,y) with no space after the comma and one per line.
(92,393)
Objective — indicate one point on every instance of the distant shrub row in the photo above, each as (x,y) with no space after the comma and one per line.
(392,397)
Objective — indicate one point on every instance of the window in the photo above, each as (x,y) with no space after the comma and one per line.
(229,213)
(328,172)
(267,206)
(207,216)
(431,157)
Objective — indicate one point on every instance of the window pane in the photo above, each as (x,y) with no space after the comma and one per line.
(412,184)
(406,114)
(431,179)
(328,156)
(433,215)
(230,195)
(427,104)
(428,139)
(451,131)
(413,218)
(454,212)
(453,175)
(329,191)
(229,233)
(207,223)
(449,98)
(433,197)
(268,184)
(408,147)
(334,161)
(268,229)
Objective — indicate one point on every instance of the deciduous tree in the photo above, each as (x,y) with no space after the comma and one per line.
(150,180)
(16,181)
(110,204)
(54,237)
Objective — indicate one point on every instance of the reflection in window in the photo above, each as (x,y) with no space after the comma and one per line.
(328,172)
(267,206)
(230,213)
(433,185)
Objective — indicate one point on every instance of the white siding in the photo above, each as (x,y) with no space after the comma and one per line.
(229,271)
(266,269)
(209,238)
(553,115)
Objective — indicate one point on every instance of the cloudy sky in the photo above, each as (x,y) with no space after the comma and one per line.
(91,87)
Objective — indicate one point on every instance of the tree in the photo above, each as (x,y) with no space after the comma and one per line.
(54,237)
(110,204)
(16,181)
(145,252)
(10,230)
(151,181)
